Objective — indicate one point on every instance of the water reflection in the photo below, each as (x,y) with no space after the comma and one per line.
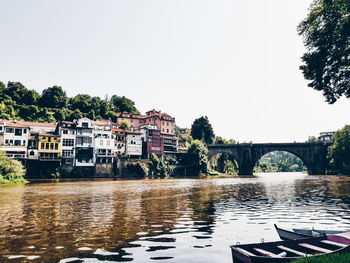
(185,220)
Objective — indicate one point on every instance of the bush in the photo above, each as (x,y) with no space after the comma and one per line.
(11,171)
(136,169)
(196,158)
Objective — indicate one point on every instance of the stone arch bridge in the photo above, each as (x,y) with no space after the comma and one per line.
(313,154)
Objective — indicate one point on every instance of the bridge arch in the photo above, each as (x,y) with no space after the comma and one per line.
(224,163)
(313,155)
(283,161)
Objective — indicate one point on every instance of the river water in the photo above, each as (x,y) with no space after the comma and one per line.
(170,220)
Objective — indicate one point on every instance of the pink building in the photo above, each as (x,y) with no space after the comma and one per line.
(164,122)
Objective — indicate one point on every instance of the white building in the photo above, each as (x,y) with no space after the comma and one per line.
(326,136)
(133,147)
(104,145)
(14,138)
(67,131)
(84,145)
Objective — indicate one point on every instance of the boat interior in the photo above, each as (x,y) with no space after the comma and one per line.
(295,248)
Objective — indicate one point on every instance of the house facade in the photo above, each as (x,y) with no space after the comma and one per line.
(14,138)
(84,145)
(67,131)
(104,145)
(133,146)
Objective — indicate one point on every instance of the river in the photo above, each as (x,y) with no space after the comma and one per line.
(169,220)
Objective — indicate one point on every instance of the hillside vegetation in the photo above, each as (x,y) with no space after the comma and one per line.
(53,104)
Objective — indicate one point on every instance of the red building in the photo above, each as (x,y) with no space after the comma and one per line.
(152,141)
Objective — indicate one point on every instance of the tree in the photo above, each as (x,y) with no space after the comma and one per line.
(81,102)
(326,33)
(202,130)
(196,158)
(54,97)
(11,171)
(124,124)
(221,140)
(339,152)
(123,104)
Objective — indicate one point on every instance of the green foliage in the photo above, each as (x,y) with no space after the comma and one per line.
(326,32)
(279,162)
(124,124)
(18,102)
(312,139)
(224,163)
(11,171)
(339,152)
(196,158)
(221,140)
(202,130)
(338,258)
(54,97)
(122,104)
(160,168)
(136,169)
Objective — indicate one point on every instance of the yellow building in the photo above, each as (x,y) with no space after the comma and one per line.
(49,147)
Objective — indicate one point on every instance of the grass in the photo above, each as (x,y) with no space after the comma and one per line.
(14,181)
(333,258)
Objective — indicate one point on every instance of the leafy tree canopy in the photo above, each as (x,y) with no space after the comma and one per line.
(18,102)
(122,104)
(326,33)
(339,152)
(202,130)
(54,97)
(196,158)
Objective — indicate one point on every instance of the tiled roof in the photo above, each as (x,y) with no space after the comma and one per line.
(14,123)
(102,122)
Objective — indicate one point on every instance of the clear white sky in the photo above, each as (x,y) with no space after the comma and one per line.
(235,61)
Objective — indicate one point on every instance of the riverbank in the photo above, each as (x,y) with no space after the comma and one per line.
(339,258)
(13,181)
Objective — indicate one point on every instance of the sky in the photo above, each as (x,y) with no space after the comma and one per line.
(235,61)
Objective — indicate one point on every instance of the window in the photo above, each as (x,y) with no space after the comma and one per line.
(167,130)
(9,130)
(56,146)
(6,141)
(1,128)
(42,145)
(24,142)
(85,125)
(67,153)
(17,142)
(24,131)
(65,131)
(68,142)
(51,146)
(47,146)
(87,140)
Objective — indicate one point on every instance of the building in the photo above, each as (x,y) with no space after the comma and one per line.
(67,131)
(104,145)
(14,137)
(84,145)
(152,141)
(326,136)
(133,146)
(49,146)
(164,123)
(135,120)
(119,140)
